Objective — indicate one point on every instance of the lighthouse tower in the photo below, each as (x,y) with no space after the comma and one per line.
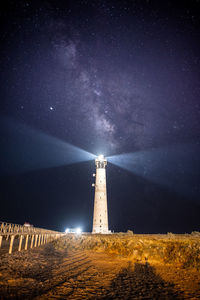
(100,217)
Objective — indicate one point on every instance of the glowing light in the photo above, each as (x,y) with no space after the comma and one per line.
(101,157)
(78,230)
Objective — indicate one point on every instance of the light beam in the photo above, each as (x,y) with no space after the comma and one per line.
(177,167)
(25,149)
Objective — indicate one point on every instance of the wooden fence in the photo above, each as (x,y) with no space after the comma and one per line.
(25,236)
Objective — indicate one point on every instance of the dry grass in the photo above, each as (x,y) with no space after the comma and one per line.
(182,250)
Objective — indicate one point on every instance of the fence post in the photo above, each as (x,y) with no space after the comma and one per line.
(1,238)
(4,228)
(42,239)
(32,238)
(11,244)
(39,239)
(26,244)
(20,243)
(36,237)
(8,231)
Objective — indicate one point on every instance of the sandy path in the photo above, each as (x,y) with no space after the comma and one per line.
(45,273)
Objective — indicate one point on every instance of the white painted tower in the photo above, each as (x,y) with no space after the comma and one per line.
(100,217)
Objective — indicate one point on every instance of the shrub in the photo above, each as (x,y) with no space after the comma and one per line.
(129,232)
(195,233)
(170,234)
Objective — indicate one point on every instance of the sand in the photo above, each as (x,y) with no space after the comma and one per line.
(50,273)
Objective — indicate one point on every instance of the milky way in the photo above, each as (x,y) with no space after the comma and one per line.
(120,82)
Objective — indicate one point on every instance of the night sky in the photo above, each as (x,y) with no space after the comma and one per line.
(81,78)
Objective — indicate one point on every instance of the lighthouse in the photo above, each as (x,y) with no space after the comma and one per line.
(100,216)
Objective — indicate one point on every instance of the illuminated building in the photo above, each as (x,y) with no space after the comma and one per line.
(100,217)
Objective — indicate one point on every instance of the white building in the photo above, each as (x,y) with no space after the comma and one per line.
(100,217)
